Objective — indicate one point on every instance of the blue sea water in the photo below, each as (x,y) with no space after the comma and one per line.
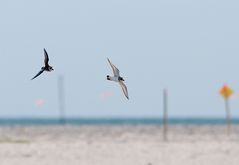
(113,121)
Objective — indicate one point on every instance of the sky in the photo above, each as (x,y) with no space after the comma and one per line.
(190,47)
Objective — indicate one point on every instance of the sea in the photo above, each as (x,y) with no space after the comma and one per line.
(114,121)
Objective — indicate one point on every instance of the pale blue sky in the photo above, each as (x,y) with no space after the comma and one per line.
(189,46)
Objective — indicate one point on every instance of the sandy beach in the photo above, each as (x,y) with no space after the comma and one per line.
(118,145)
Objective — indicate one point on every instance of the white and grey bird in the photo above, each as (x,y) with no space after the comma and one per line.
(47,67)
(117,78)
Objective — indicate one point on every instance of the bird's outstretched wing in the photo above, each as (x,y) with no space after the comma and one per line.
(124,88)
(38,74)
(46,59)
(115,70)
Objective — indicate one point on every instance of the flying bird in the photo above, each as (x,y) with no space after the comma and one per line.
(117,78)
(47,67)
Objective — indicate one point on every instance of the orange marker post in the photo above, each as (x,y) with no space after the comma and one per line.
(226,92)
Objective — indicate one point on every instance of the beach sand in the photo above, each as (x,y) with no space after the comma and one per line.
(118,145)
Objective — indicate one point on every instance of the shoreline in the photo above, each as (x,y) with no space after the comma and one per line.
(114,121)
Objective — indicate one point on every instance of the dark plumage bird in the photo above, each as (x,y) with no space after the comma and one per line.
(47,67)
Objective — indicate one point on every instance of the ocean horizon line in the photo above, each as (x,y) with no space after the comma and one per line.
(114,121)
